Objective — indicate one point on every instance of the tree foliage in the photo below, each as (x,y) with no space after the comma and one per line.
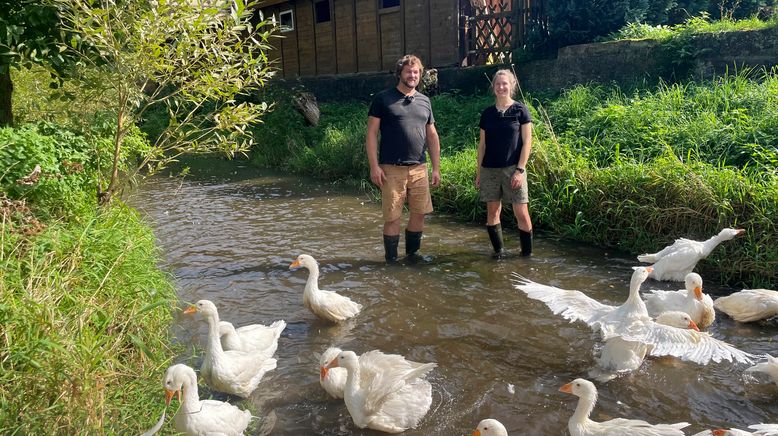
(29,34)
(198,60)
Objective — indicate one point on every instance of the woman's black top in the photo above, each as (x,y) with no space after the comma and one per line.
(503,134)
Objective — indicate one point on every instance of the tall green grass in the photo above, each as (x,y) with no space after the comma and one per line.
(694,25)
(84,309)
(627,168)
(732,121)
(84,315)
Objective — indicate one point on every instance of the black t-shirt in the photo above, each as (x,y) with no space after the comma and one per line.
(503,134)
(403,126)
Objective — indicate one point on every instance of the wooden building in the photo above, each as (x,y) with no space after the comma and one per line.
(319,37)
(348,36)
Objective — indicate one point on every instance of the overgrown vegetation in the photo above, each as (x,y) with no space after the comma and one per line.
(694,25)
(84,314)
(582,21)
(84,310)
(194,62)
(630,169)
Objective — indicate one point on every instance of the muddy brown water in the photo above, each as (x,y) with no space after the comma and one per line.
(230,231)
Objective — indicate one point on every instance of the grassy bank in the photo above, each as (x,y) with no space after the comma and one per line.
(84,310)
(633,169)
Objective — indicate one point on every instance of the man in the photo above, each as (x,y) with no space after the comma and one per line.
(404,118)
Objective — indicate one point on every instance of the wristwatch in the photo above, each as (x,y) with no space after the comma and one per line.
(520,170)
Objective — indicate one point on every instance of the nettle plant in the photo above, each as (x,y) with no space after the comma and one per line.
(197,59)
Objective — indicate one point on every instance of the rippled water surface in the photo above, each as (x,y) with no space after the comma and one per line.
(229,233)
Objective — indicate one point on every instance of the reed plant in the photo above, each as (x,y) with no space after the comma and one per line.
(84,312)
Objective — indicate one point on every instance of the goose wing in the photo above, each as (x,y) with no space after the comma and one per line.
(698,347)
(572,305)
(383,374)
(334,306)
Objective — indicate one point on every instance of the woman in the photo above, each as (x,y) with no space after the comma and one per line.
(503,150)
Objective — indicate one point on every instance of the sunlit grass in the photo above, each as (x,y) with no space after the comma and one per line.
(84,316)
(699,24)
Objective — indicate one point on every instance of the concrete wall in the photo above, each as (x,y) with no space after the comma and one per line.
(623,62)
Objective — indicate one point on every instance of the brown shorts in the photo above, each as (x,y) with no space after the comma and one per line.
(405,182)
(496,186)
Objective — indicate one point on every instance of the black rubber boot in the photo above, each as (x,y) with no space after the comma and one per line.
(412,242)
(526,242)
(390,247)
(495,235)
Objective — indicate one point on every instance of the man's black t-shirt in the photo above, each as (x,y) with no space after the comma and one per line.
(403,126)
(503,134)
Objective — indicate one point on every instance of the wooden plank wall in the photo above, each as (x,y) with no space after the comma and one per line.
(444,33)
(392,37)
(417,29)
(345,37)
(325,48)
(360,37)
(306,37)
(368,53)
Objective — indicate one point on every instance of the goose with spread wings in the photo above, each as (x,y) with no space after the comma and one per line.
(631,322)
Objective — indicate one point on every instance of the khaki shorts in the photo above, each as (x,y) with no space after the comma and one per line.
(405,182)
(496,186)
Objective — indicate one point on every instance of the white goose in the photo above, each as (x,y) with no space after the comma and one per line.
(749,305)
(490,427)
(631,323)
(619,355)
(580,424)
(675,261)
(253,337)
(333,380)
(201,417)
(325,304)
(770,367)
(233,372)
(690,300)
(385,392)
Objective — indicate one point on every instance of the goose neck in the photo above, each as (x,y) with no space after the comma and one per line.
(190,396)
(313,278)
(583,410)
(352,379)
(710,244)
(634,296)
(214,341)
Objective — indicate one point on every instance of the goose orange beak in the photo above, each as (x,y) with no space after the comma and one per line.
(333,363)
(693,325)
(190,309)
(323,372)
(169,395)
(476,432)
(568,388)
(650,269)
(295,264)
(698,293)
(719,432)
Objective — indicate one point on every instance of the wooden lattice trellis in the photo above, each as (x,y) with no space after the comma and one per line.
(494,28)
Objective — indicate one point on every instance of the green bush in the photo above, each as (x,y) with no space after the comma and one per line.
(70,164)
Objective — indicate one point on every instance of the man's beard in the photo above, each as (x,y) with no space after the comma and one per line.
(405,82)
